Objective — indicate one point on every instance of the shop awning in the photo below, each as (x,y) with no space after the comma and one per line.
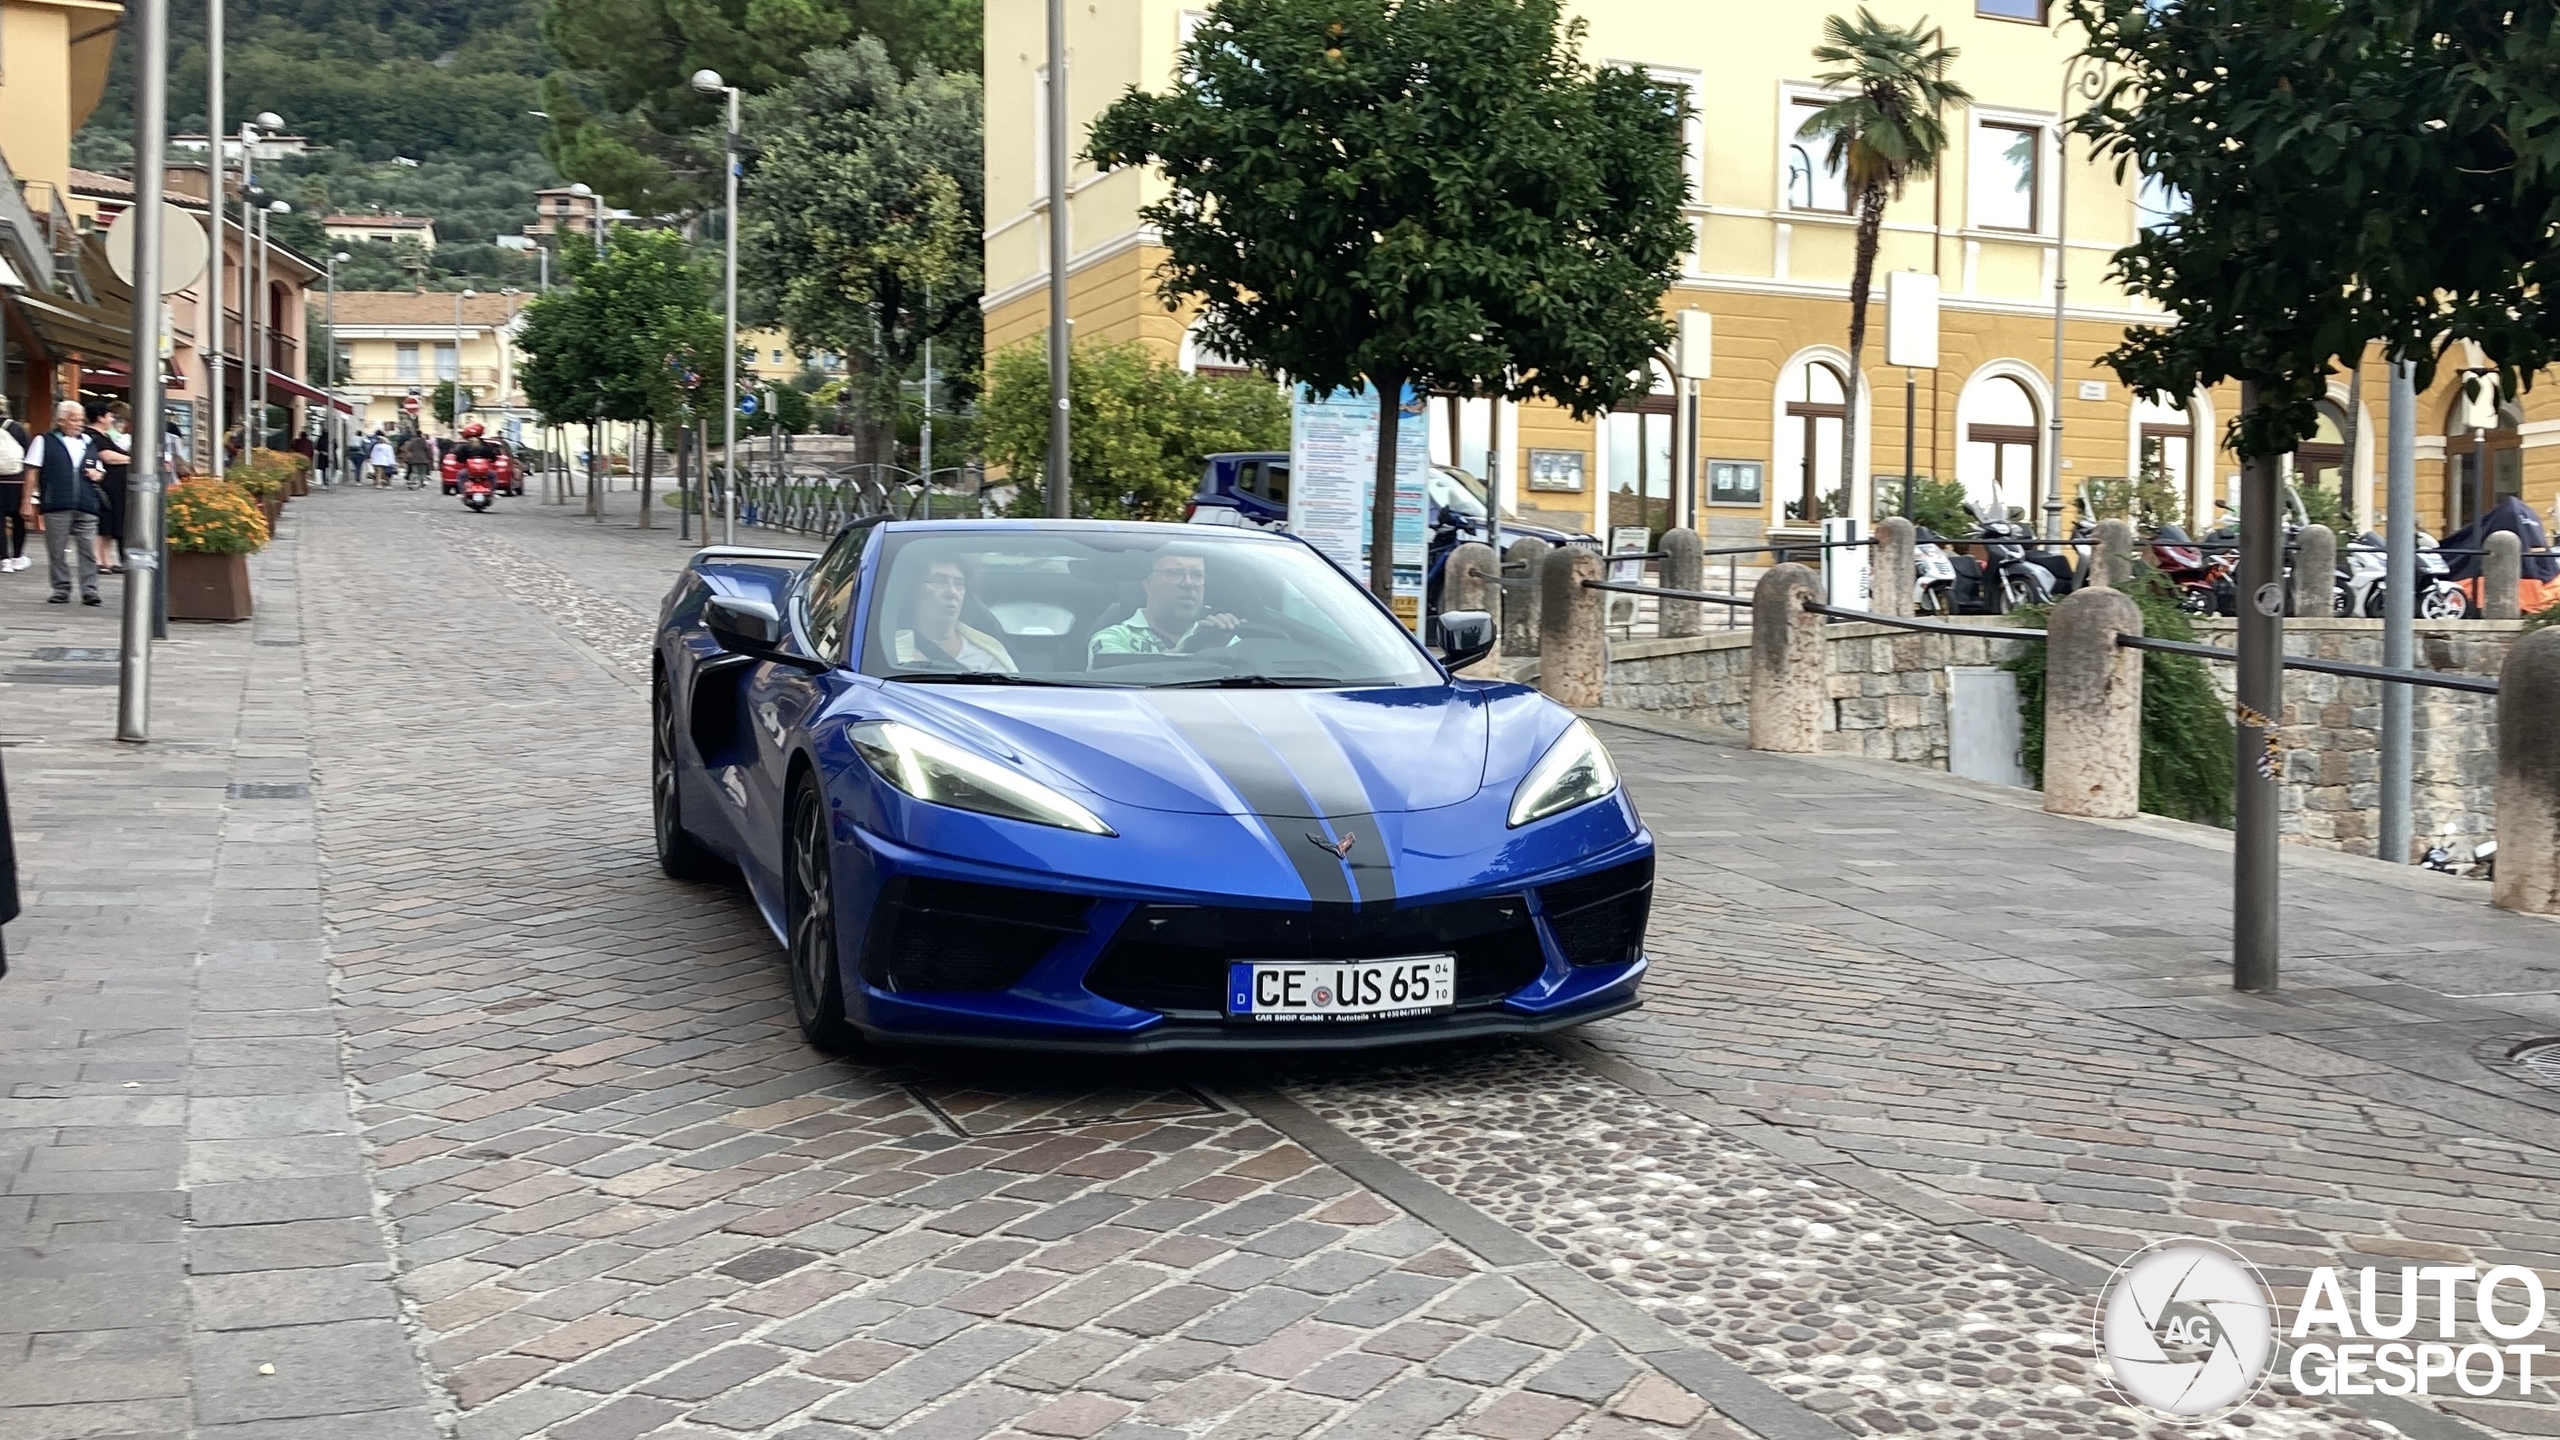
(279,384)
(65,327)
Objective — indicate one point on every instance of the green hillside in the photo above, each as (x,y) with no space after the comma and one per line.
(444,83)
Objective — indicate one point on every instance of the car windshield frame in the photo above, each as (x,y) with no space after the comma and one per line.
(1303,622)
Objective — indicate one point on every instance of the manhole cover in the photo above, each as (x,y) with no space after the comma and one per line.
(2540,1059)
(972,1112)
(90,653)
(269,792)
(66,675)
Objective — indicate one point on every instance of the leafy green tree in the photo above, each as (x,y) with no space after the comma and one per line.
(1140,428)
(2187,739)
(862,215)
(1886,129)
(1435,193)
(601,349)
(625,116)
(2330,153)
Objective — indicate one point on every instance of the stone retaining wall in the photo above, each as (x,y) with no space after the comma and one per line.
(2331,793)
(1888,686)
(1889,702)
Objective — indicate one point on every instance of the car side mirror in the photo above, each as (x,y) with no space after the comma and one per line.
(743,626)
(1466,636)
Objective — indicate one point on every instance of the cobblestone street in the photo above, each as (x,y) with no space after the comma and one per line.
(365,1078)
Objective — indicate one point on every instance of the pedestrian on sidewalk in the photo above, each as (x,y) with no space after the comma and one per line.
(420,452)
(13,487)
(379,460)
(62,493)
(113,426)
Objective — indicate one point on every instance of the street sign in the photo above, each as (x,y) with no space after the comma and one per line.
(409,404)
(746,404)
(182,247)
(1911,320)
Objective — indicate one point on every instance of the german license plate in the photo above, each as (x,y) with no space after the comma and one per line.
(1325,991)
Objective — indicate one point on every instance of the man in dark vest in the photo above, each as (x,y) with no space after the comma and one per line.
(64,465)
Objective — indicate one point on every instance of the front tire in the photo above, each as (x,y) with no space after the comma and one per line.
(809,909)
(679,855)
(2444,602)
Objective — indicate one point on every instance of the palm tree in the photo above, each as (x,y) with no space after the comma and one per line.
(1887,128)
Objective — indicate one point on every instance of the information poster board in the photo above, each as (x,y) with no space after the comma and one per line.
(1333,467)
(1847,567)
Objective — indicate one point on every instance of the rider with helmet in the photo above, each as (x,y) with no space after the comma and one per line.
(476,445)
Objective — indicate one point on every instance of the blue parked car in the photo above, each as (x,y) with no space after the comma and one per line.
(1120,787)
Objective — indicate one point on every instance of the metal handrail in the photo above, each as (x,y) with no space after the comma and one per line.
(1624,588)
(2435,679)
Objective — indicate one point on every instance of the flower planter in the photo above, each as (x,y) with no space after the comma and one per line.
(208,587)
(300,484)
(273,505)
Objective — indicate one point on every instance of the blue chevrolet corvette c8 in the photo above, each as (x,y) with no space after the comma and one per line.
(1120,787)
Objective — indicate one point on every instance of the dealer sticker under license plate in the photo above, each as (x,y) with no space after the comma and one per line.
(1322,991)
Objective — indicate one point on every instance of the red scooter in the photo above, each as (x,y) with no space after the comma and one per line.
(479,483)
(2199,579)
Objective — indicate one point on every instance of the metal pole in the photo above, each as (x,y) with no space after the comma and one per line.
(2479,477)
(924,432)
(216,167)
(2399,608)
(2061,286)
(1493,476)
(1060,454)
(1910,433)
(456,407)
(2254,869)
(142,504)
(729,355)
(329,337)
(248,315)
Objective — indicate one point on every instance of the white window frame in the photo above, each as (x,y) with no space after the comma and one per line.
(1790,97)
(1977,151)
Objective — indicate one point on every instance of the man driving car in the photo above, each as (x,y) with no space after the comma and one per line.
(1174,620)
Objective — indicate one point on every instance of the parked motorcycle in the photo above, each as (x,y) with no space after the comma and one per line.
(2010,577)
(2185,565)
(2365,567)
(479,483)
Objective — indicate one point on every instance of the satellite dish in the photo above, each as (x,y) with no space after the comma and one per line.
(182,247)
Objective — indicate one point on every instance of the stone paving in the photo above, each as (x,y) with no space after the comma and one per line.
(1857,1167)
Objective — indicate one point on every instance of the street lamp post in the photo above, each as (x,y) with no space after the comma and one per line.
(1060,353)
(329,328)
(595,212)
(708,82)
(142,545)
(215,207)
(266,325)
(2090,83)
(252,405)
(456,422)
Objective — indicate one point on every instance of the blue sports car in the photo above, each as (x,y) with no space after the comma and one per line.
(1121,787)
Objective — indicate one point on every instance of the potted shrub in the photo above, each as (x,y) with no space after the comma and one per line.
(297,472)
(214,527)
(263,480)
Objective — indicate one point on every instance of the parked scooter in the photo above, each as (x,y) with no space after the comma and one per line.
(2483,864)
(2186,566)
(2365,567)
(2011,578)
(1934,577)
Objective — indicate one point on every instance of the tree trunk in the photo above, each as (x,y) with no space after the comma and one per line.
(648,471)
(1861,284)
(595,464)
(2347,432)
(1382,498)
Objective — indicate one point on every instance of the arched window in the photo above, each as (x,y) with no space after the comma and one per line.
(2165,448)
(1639,459)
(2322,462)
(1996,456)
(1817,406)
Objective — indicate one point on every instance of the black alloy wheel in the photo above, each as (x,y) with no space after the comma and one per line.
(809,909)
(679,855)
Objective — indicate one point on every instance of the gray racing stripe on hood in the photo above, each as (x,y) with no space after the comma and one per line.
(1263,780)
(1312,754)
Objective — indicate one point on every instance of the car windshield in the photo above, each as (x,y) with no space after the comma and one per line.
(1454,490)
(1066,606)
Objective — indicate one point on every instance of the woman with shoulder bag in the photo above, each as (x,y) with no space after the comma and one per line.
(13,488)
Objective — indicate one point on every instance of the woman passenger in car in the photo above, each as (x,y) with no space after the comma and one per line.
(938,640)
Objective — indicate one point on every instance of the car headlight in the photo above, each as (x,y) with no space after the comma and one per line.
(941,773)
(1574,771)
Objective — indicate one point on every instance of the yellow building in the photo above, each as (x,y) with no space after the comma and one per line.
(1771,267)
(771,355)
(395,346)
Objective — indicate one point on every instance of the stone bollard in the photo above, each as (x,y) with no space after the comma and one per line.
(2527,822)
(2111,559)
(1475,583)
(1573,649)
(1520,617)
(2315,572)
(1684,567)
(2500,572)
(2093,706)
(1787,663)
(1897,567)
